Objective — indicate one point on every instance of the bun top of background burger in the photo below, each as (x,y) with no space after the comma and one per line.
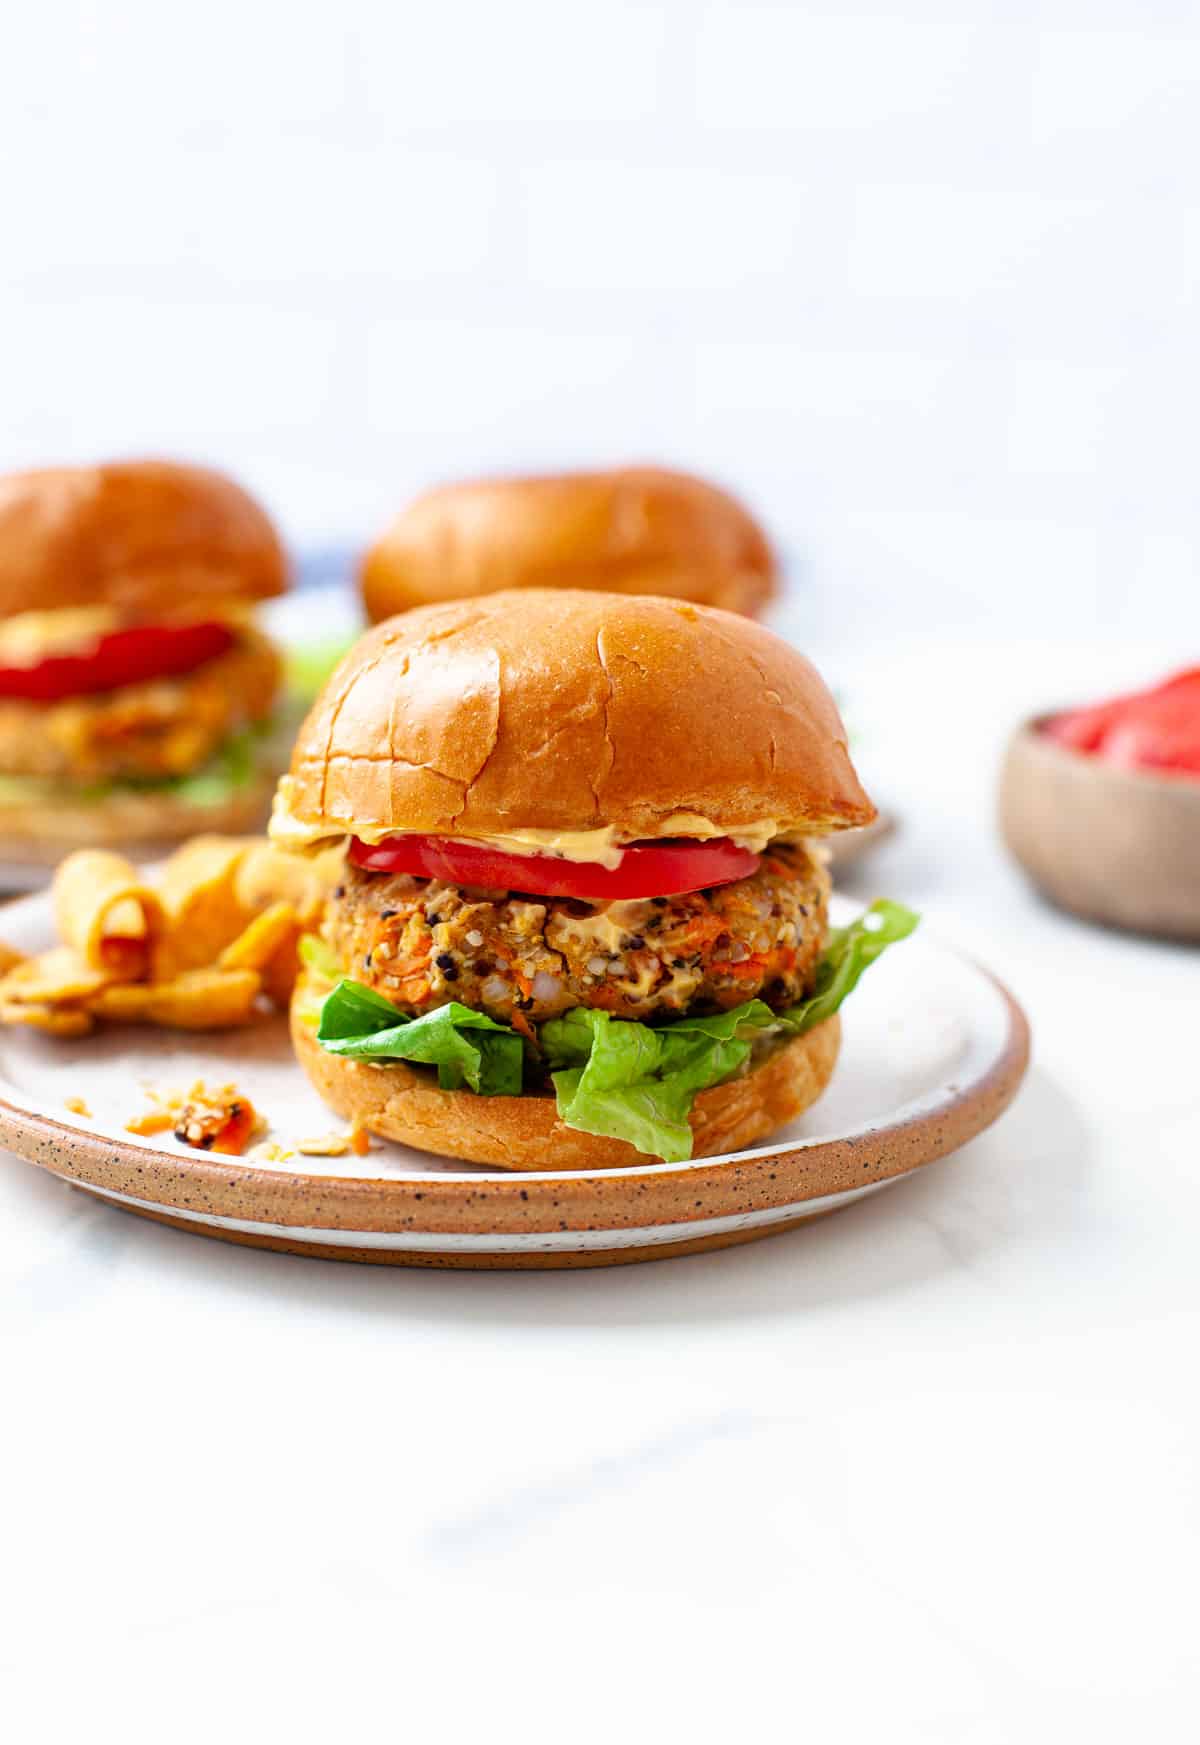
(582,917)
(134,683)
(636,530)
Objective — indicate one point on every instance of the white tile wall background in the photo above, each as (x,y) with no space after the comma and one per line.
(921,278)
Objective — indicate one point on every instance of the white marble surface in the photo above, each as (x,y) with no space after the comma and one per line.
(927,1470)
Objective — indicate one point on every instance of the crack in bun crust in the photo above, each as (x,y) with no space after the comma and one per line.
(567,710)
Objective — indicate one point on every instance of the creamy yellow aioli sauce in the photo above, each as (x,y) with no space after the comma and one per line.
(602,847)
(29,637)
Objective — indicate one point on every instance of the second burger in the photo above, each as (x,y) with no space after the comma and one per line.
(135,683)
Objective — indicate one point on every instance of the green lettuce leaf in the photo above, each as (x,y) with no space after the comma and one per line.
(309,664)
(612,1077)
(231,767)
(850,951)
(632,1082)
(468,1048)
(322,959)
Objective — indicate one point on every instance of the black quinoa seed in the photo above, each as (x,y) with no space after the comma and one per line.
(444,960)
(634,942)
(524,1001)
(367,961)
(386,914)
(433,920)
(340,892)
(450,971)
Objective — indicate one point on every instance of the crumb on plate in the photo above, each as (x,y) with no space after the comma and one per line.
(357,1143)
(269,1152)
(208,1118)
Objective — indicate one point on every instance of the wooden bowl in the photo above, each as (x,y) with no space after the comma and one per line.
(1113,845)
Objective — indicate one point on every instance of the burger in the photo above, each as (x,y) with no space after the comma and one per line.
(135,686)
(638,530)
(583,914)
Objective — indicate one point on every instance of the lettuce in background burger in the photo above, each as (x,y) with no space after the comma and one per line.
(135,686)
(582,916)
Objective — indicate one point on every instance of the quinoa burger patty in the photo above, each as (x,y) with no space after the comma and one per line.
(524,959)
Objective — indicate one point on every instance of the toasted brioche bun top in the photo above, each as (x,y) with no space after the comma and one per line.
(140,536)
(638,530)
(573,715)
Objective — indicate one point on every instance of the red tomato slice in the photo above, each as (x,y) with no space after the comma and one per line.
(123,657)
(648,869)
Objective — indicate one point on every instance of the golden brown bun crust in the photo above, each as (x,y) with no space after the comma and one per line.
(557,710)
(143,536)
(398,1102)
(141,826)
(638,530)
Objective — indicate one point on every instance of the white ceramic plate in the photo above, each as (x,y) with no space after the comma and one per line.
(933,1050)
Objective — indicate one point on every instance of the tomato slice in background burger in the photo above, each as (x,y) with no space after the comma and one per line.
(669,868)
(123,657)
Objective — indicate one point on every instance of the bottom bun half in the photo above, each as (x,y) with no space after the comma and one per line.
(141,826)
(404,1103)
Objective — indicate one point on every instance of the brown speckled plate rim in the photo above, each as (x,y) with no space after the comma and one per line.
(526,1204)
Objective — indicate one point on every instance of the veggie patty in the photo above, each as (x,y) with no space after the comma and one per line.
(522,959)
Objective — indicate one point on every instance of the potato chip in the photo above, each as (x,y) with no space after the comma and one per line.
(54,1020)
(54,978)
(258,943)
(279,975)
(199,999)
(208,999)
(10,957)
(203,911)
(194,954)
(105,911)
(268,875)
